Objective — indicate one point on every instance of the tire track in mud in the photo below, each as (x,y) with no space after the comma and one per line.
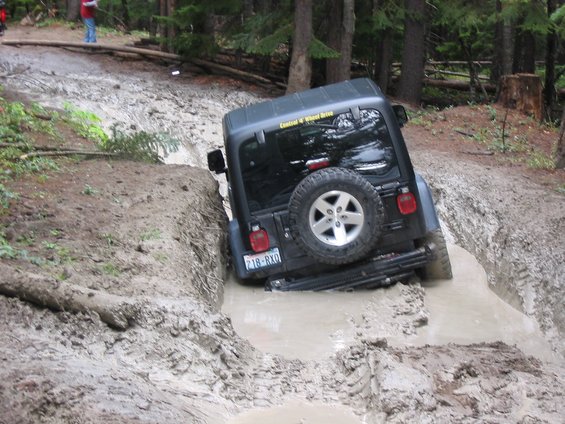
(517,237)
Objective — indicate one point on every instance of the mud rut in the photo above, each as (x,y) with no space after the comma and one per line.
(182,361)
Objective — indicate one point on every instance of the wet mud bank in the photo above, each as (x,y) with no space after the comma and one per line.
(156,236)
(513,227)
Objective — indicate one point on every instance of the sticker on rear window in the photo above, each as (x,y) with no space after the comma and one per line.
(306,119)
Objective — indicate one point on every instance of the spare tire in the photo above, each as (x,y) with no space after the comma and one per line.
(336,216)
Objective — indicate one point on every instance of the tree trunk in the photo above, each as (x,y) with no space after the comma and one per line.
(163,25)
(507,45)
(549,93)
(335,17)
(342,16)
(524,53)
(528,53)
(348,29)
(560,153)
(265,7)
(125,14)
(247,9)
(412,71)
(300,69)
(502,63)
(109,18)
(383,55)
(153,25)
(523,92)
(496,67)
(209,28)
(73,10)
(171,27)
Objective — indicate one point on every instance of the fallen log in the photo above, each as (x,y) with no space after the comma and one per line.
(229,70)
(466,134)
(116,311)
(479,153)
(455,84)
(67,153)
(13,145)
(143,52)
(92,46)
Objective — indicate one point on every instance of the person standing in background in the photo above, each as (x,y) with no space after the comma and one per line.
(88,12)
(2,16)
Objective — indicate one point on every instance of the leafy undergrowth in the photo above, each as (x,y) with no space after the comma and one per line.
(37,143)
(493,136)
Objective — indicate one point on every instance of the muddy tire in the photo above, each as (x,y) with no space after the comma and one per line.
(439,268)
(335,216)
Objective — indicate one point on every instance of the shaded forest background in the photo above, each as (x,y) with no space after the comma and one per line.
(399,44)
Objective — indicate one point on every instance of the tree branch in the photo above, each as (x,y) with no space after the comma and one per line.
(67,153)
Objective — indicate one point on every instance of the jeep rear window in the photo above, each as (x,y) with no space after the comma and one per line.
(271,170)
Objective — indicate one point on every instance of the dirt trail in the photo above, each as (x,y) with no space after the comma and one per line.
(155,235)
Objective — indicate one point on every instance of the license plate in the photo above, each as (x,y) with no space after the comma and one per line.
(262,260)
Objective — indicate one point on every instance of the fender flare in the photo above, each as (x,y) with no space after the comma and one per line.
(431,219)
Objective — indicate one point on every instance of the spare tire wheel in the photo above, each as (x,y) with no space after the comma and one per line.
(336,215)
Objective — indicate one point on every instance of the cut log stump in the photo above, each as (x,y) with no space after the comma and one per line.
(522,92)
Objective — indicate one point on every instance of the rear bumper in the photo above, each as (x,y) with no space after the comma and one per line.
(377,272)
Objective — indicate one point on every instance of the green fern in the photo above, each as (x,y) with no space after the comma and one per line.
(269,44)
(140,146)
(319,50)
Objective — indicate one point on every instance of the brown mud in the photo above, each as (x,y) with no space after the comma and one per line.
(154,235)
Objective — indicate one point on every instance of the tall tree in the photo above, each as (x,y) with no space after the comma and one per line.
(560,154)
(383,47)
(300,70)
(73,10)
(125,14)
(413,53)
(550,55)
(524,51)
(342,28)
(502,63)
(163,11)
(376,25)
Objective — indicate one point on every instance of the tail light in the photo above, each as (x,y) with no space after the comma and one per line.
(315,164)
(406,202)
(259,239)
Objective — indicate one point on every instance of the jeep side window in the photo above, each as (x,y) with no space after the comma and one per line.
(272,170)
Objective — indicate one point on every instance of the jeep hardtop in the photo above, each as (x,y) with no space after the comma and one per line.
(323,192)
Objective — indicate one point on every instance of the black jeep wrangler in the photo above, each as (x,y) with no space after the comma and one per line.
(323,193)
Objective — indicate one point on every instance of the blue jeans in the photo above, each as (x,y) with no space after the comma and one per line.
(90,35)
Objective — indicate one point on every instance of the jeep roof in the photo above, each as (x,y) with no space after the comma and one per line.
(244,122)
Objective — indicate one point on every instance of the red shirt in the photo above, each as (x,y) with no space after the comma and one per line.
(87,11)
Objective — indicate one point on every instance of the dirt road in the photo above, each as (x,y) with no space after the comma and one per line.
(154,237)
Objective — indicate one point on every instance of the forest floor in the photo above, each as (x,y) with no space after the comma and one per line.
(149,241)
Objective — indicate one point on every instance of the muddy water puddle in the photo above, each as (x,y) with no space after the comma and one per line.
(315,325)
(464,310)
(299,412)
